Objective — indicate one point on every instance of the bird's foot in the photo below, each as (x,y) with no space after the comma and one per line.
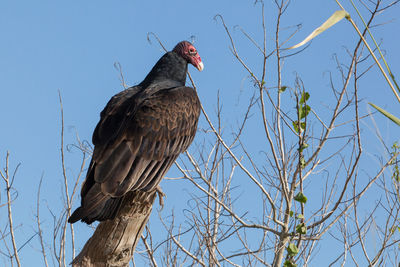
(161,196)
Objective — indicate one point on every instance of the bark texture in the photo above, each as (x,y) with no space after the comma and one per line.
(114,241)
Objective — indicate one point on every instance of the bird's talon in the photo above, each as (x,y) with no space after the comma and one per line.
(161,196)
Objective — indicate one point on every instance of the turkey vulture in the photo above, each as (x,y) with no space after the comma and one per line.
(141,132)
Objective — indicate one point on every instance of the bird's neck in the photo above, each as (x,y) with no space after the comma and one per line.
(170,66)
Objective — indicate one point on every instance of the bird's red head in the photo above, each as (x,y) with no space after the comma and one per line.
(189,53)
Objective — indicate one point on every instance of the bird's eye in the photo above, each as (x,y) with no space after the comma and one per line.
(192,51)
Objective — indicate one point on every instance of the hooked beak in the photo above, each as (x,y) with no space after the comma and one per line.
(200,66)
(196,61)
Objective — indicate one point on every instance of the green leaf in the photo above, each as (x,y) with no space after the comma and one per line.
(296,126)
(292,250)
(300,197)
(288,263)
(300,216)
(302,162)
(291,213)
(387,114)
(395,146)
(303,146)
(282,89)
(303,111)
(304,97)
(301,229)
(335,18)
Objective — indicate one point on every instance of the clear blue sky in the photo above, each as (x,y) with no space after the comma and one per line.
(71,46)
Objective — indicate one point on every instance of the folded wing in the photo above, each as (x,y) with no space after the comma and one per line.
(138,138)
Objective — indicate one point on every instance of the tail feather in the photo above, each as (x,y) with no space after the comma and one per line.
(106,210)
(110,209)
(76,215)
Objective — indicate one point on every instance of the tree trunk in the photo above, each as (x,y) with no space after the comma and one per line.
(114,241)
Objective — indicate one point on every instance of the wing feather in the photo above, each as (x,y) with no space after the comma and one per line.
(117,164)
(157,176)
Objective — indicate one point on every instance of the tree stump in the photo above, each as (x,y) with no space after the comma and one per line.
(114,241)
